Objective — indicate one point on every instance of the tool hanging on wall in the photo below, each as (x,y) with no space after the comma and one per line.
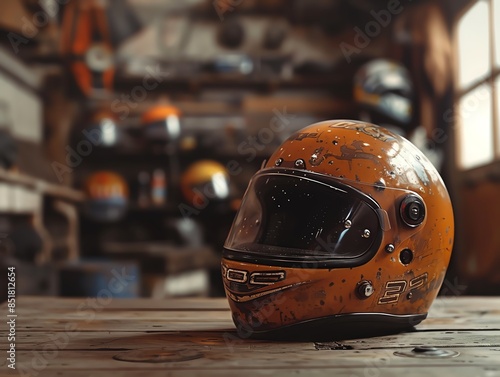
(86,44)
(91,32)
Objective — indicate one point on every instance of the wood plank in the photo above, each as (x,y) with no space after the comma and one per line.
(214,321)
(88,314)
(441,307)
(100,340)
(50,325)
(39,314)
(60,304)
(434,371)
(196,337)
(205,358)
(321,105)
(96,321)
(41,186)
(465,324)
(465,304)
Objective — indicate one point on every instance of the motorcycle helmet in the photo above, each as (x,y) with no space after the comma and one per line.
(383,90)
(205,184)
(347,230)
(161,123)
(107,196)
(103,129)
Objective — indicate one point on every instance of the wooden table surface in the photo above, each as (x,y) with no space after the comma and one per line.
(196,337)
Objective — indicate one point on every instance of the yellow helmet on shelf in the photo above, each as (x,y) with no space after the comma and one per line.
(205,182)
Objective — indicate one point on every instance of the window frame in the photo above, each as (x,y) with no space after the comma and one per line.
(489,80)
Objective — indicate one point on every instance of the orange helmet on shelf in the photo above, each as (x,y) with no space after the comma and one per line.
(103,129)
(161,123)
(348,229)
(205,182)
(107,196)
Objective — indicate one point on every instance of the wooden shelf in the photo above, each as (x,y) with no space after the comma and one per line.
(41,186)
(167,208)
(164,257)
(252,82)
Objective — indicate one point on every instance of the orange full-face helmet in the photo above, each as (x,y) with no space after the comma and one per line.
(107,196)
(161,123)
(348,229)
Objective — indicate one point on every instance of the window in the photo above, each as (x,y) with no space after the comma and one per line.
(478,37)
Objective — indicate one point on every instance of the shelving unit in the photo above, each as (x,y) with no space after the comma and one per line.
(27,197)
(41,187)
(221,111)
(22,194)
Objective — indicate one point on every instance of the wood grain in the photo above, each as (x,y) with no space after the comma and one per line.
(196,337)
(96,341)
(434,371)
(252,359)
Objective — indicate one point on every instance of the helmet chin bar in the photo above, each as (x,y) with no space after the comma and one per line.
(337,327)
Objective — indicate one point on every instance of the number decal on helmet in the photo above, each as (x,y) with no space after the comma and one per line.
(393,289)
(418,281)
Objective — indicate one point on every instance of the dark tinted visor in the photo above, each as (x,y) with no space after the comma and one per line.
(306,218)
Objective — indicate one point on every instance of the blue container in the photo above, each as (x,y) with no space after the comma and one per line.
(100,278)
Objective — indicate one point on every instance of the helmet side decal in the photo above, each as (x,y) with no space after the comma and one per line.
(255,278)
(394,289)
(356,152)
(368,129)
(253,296)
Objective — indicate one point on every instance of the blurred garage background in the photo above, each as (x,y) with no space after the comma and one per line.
(130,129)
